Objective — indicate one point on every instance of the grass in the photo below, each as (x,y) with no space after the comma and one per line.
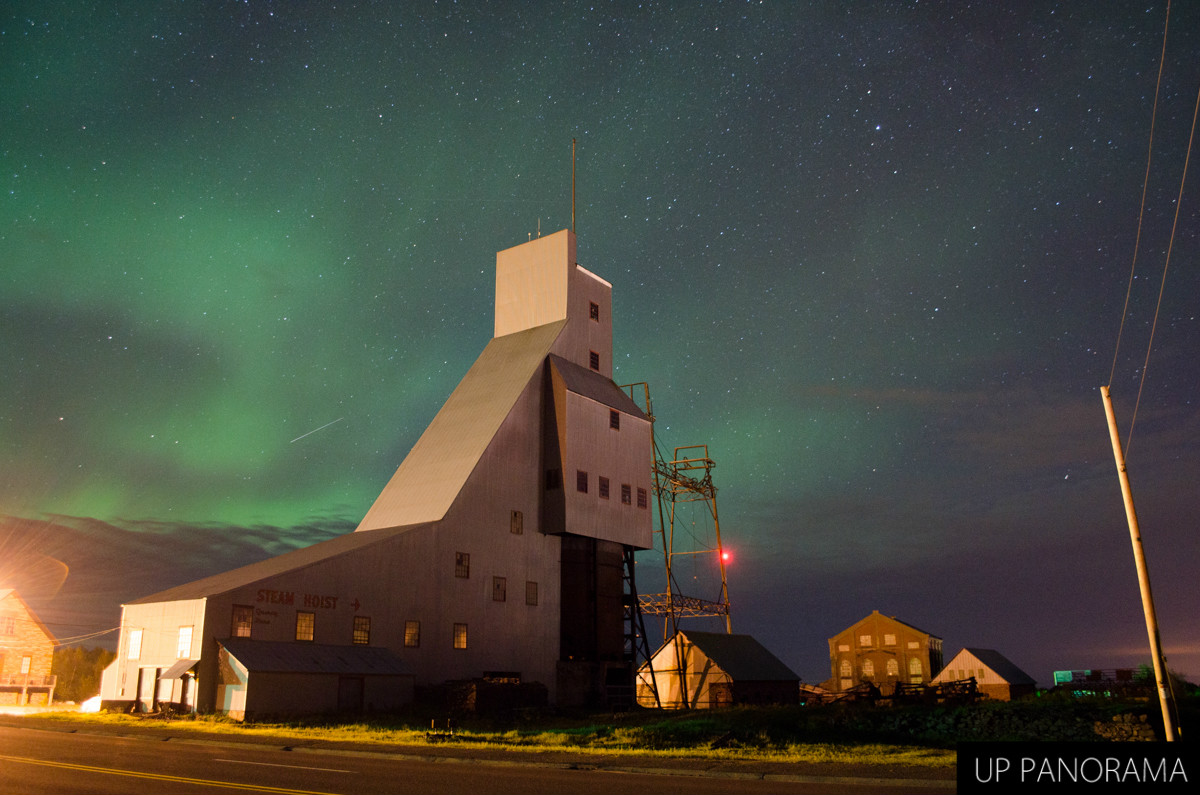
(777,735)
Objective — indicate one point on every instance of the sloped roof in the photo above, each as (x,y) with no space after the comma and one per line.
(1001,665)
(435,470)
(7,592)
(271,567)
(742,657)
(310,658)
(594,386)
(889,618)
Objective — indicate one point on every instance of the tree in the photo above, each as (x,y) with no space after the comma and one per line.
(78,671)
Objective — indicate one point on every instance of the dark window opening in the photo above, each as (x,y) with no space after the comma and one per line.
(594,311)
(362,631)
(626,494)
(516,524)
(603,488)
(530,593)
(581,481)
(243,619)
(614,420)
(462,564)
(594,360)
(499,589)
(642,501)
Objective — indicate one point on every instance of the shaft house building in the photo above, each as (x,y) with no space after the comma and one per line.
(497,550)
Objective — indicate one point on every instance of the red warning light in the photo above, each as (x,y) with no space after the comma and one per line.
(726,557)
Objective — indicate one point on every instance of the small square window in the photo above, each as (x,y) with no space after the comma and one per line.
(361,635)
(581,481)
(603,488)
(889,639)
(594,311)
(553,479)
(499,589)
(643,502)
(626,494)
(412,634)
(864,640)
(460,636)
(305,625)
(516,524)
(243,619)
(594,360)
(530,593)
(462,564)
(614,419)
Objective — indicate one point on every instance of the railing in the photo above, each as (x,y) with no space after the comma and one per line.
(27,680)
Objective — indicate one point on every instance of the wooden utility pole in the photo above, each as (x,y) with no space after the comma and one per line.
(1139,559)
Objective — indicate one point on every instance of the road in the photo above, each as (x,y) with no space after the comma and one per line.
(37,761)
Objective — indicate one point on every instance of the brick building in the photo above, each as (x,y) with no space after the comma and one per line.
(26,654)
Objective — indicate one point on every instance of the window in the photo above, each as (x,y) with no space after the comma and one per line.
(581,480)
(594,360)
(305,625)
(868,669)
(412,634)
(915,672)
(603,488)
(135,644)
(594,311)
(243,619)
(530,593)
(864,640)
(184,648)
(889,640)
(8,625)
(26,664)
(553,479)
(499,589)
(642,501)
(361,633)
(893,668)
(847,669)
(462,564)
(516,524)
(626,494)
(614,419)
(460,636)
(844,647)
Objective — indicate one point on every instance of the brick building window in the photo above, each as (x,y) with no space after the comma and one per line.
(243,619)
(499,589)
(306,624)
(626,494)
(460,636)
(412,634)
(360,635)
(603,488)
(8,625)
(530,593)
(581,481)
(462,564)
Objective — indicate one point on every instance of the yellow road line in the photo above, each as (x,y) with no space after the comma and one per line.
(161,777)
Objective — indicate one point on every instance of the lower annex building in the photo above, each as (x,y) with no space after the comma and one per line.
(497,550)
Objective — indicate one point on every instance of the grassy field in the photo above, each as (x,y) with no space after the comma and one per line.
(765,734)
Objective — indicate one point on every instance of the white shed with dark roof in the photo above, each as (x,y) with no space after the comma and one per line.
(710,669)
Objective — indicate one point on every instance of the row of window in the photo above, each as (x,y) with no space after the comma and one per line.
(892,668)
(603,488)
(306,625)
(868,641)
(462,569)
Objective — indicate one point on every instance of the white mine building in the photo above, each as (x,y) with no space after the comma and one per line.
(497,551)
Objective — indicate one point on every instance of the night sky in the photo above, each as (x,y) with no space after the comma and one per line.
(873,254)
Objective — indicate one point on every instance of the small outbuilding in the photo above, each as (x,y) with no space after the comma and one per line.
(711,669)
(995,675)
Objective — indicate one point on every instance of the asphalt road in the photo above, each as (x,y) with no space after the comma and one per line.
(39,761)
